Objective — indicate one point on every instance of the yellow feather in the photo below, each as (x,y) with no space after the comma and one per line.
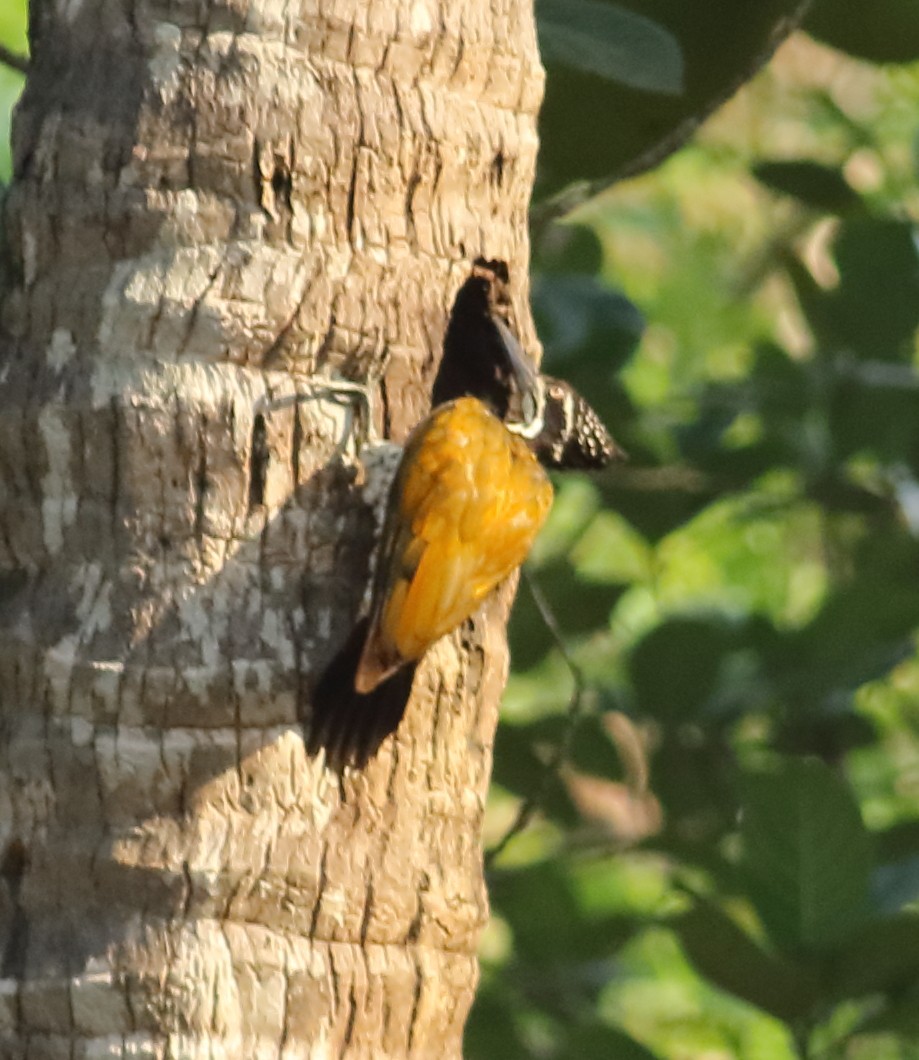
(470,498)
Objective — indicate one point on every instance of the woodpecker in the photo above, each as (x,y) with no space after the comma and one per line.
(466,504)
(468,498)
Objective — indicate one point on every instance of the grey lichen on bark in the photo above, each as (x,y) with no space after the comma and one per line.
(215,204)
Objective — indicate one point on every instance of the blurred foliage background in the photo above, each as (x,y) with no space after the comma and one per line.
(726,859)
(727,863)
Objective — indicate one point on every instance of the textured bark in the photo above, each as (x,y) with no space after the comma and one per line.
(212,201)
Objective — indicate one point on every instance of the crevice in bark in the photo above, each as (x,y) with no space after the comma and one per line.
(320,891)
(189,889)
(497,169)
(12,869)
(349,1026)
(416,1000)
(295,443)
(116,466)
(201,479)
(193,314)
(258,462)
(414,929)
(368,910)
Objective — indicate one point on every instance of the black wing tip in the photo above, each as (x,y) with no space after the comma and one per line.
(573,437)
(591,446)
(350,725)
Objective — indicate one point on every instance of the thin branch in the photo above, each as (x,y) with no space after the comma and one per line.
(14,61)
(532,802)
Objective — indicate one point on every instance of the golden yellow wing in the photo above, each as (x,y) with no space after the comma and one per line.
(467,503)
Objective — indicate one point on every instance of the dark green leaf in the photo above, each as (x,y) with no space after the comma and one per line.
(578,314)
(900,1015)
(806,853)
(876,305)
(871,413)
(731,960)
(600,1042)
(521,770)
(883,957)
(884,31)
(550,926)
(900,841)
(591,749)
(655,500)
(579,605)
(829,733)
(695,777)
(864,628)
(594,128)
(818,186)
(568,249)
(492,1028)
(675,668)
(602,38)
(816,303)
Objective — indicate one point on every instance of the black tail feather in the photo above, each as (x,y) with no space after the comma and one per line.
(348,724)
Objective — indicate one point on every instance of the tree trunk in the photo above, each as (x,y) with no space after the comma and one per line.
(212,201)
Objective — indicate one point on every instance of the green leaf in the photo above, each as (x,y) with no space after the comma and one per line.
(520,770)
(883,957)
(597,1041)
(731,960)
(871,414)
(602,38)
(884,31)
(656,500)
(593,128)
(901,840)
(820,187)
(567,248)
(579,315)
(696,781)
(675,668)
(493,1025)
(873,311)
(864,628)
(876,305)
(806,854)
(579,604)
(550,923)
(900,1015)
